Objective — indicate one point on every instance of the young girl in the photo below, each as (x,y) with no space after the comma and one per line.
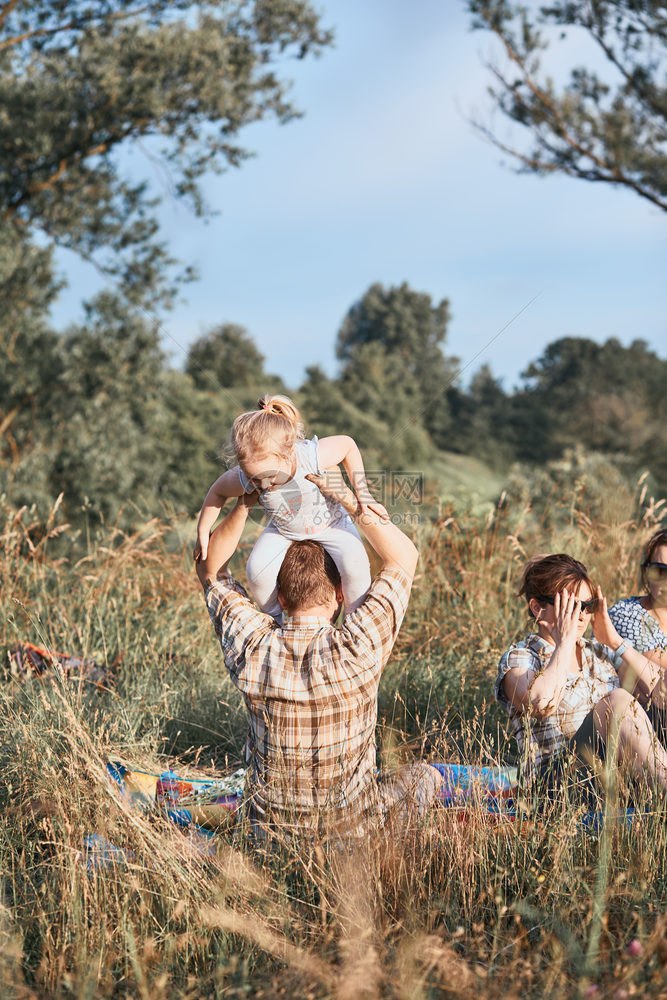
(274,459)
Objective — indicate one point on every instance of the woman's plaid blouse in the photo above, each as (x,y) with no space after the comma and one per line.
(539,739)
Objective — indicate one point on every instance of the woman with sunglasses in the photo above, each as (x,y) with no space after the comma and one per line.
(567,693)
(642,622)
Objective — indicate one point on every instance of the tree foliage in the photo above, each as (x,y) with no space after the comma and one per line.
(404,323)
(227,357)
(482,418)
(97,414)
(390,343)
(86,90)
(613,394)
(608,127)
(82,83)
(107,412)
(374,410)
(30,362)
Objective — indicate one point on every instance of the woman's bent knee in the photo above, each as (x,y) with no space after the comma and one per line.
(614,705)
(620,700)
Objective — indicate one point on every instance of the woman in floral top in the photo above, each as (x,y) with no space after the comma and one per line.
(642,621)
(566,692)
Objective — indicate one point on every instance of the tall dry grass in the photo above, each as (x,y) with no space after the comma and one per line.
(472,906)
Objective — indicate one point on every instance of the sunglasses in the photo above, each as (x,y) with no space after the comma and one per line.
(656,570)
(587,607)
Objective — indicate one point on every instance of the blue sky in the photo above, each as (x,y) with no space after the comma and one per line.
(385,180)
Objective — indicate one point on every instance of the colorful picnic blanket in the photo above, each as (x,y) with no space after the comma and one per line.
(204,805)
(203,801)
(210,801)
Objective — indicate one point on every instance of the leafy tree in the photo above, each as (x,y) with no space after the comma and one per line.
(29,366)
(190,442)
(387,439)
(607,128)
(86,89)
(227,357)
(108,413)
(604,397)
(555,386)
(81,83)
(482,420)
(408,330)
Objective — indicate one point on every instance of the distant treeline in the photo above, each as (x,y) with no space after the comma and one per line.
(98,414)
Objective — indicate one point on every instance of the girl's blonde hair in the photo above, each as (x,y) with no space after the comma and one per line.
(272,429)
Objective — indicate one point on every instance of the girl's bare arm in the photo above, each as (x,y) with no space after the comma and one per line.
(226,486)
(340,448)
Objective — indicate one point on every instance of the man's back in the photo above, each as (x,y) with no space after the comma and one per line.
(311,694)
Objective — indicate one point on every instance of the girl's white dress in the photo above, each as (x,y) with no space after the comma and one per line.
(298,510)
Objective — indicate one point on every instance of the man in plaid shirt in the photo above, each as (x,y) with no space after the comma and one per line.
(311,688)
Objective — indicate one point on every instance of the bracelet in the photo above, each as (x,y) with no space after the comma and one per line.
(620,651)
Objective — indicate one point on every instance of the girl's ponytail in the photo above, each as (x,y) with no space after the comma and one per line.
(282,406)
(272,429)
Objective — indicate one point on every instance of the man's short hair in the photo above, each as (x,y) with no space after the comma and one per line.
(307,576)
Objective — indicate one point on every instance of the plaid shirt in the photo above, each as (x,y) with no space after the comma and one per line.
(540,739)
(311,694)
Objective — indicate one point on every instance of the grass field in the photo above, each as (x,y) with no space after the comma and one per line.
(528,908)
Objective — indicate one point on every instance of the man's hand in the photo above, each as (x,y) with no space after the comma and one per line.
(370,503)
(248,500)
(395,549)
(331,484)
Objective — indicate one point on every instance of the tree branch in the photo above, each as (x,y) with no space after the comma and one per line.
(612,174)
(65,165)
(588,175)
(71,25)
(613,59)
(7,9)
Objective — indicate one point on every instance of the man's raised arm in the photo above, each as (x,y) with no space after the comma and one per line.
(224,541)
(394,548)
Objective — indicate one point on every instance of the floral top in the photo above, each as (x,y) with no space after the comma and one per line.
(633,622)
(540,739)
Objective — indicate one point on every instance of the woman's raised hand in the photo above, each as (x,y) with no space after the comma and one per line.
(603,627)
(566,618)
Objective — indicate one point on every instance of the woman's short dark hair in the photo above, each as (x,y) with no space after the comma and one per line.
(654,542)
(546,575)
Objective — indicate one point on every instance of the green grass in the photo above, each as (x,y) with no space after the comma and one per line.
(530,908)
(465,480)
